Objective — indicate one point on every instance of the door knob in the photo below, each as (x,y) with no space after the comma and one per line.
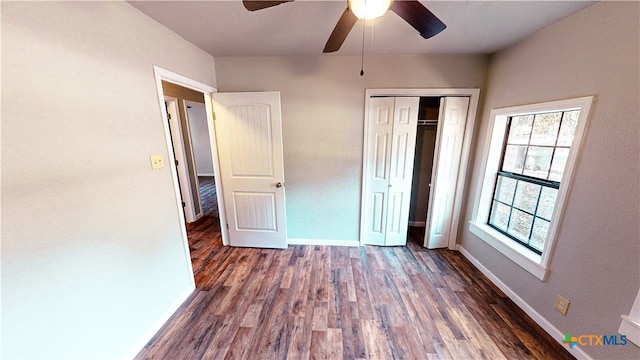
(278,184)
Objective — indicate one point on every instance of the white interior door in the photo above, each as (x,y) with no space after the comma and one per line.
(403,144)
(391,139)
(249,136)
(451,129)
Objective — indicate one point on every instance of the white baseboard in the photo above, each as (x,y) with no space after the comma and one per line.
(323,242)
(417,223)
(522,304)
(158,324)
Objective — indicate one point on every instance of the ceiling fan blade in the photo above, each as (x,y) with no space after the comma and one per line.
(418,16)
(259,5)
(340,32)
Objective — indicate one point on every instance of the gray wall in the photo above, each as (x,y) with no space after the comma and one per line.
(92,250)
(596,260)
(323,123)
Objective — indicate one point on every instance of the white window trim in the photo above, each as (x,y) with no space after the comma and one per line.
(630,325)
(535,264)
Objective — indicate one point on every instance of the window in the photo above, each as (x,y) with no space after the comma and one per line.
(533,161)
(529,161)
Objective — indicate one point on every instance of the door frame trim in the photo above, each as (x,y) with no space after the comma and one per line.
(160,75)
(474,95)
(179,155)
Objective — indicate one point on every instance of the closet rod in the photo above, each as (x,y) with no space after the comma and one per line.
(427,122)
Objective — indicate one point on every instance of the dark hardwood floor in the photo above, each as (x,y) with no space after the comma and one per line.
(322,302)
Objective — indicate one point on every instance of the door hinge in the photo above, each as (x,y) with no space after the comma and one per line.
(214,115)
(184,204)
(177,163)
(168,116)
(227,226)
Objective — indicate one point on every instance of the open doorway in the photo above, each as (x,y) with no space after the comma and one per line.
(426,136)
(204,233)
(189,132)
(179,102)
(191,146)
(202,159)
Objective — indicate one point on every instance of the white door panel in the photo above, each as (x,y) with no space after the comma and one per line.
(391,141)
(249,134)
(405,127)
(451,127)
(379,139)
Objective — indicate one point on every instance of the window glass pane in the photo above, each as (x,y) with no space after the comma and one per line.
(514,157)
(559,162)
(520,225)
(568,128)
(538,161)
(500,215)
(547,202)
(520,129)
(505,189)
(539,234)
(526,196)
(545,129)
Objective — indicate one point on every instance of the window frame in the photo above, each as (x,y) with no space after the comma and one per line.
(523,177)
(537,265)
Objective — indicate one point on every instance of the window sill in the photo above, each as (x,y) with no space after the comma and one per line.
(631,329)
(520,255)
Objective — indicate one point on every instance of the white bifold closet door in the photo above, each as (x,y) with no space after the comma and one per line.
(391,139)
(452,120)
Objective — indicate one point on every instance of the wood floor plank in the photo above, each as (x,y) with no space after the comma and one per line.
(346,328)
(318,345)
(217,346)
(406,339)
(476,335)
(252,315)
(365,311)
(322,302)
(318,290)
(241,343)
(300,286)
(335,345)
(320,316)
(359,345)
(300,345)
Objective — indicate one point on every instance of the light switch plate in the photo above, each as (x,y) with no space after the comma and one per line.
(156,162)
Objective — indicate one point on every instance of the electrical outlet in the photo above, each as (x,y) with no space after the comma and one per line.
(156,162)
(562,305)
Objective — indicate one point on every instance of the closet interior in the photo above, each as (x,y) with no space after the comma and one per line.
(424,157)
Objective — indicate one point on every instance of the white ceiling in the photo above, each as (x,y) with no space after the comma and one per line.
(226,28)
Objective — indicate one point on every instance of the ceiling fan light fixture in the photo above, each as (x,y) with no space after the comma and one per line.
(369,9)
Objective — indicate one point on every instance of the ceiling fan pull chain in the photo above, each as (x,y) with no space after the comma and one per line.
(364,24)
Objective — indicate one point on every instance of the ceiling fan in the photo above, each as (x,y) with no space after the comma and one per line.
(412,11)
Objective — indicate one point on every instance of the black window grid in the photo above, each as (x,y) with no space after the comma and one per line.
(534,214)
(526,178)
